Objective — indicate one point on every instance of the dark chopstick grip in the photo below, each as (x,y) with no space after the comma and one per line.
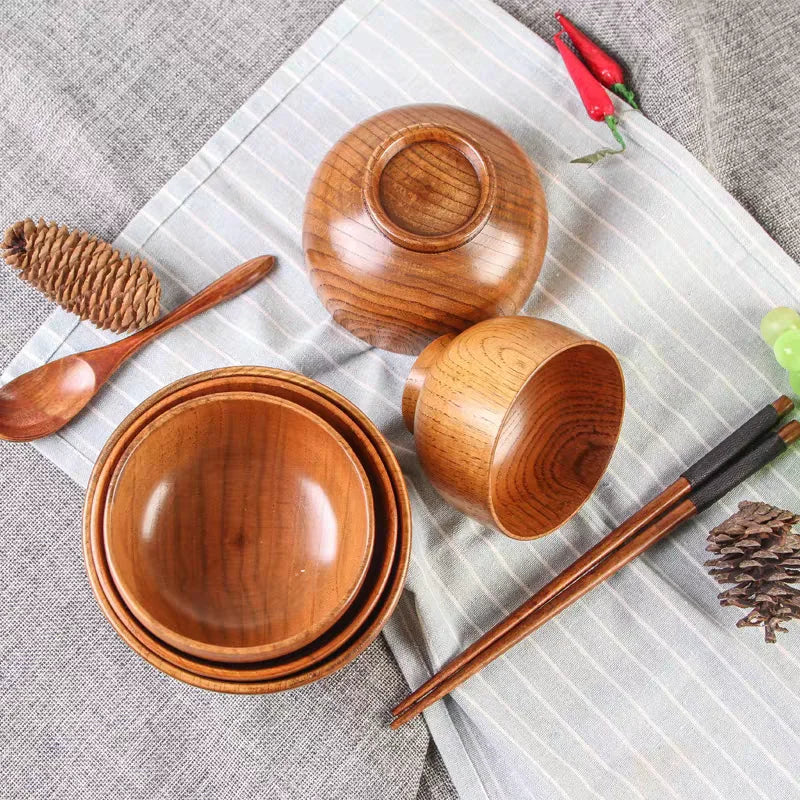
(741,469)
(732,446)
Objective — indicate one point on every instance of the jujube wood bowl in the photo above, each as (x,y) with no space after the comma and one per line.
(291,387)
(348,637)
(239,526)
(421,221)
(515,421)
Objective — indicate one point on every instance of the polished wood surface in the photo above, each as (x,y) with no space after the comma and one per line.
(367,632)
(623,555)
(580,567)
(515,421)
(421,221)
(42,401)
(717,462)
(429,188)
(783,405)
(239,526)
(386,526)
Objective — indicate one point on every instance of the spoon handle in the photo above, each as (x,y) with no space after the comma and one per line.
(232,283)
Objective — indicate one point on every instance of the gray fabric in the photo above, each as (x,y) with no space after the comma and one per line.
(101,105)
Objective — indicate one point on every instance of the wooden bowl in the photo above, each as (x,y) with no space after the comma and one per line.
(515,421)
(421,221)
(238,526)
(386,515)
(355,644)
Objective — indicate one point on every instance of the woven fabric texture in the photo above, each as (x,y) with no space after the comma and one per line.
(100,107)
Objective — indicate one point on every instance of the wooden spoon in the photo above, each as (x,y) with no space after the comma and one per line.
(42,401)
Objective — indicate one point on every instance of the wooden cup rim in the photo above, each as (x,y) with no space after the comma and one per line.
(612,448)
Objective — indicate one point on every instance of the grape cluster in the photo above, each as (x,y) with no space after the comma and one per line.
(780,329)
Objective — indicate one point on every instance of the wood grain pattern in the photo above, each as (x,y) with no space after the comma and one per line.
(429,188)
(42,401)
(651,534)
(353,645)
(421,221)
(239,526)
(733,446)
(515,421)
(761,452)
(295,388)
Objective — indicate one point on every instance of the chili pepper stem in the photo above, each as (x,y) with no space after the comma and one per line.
(626,94)
(611,121)
(593,158)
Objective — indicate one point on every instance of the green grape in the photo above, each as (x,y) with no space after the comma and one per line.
(787,350)
(794,382)
(778,321)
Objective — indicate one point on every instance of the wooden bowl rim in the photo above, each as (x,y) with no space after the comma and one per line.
(493,473)
(257,670)
(266,650)
(465,144)
(371,628)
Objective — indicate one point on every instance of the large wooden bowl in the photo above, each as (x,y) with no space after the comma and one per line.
(239,526)
(515,421)
(297,389)
(421,221)
(123,621)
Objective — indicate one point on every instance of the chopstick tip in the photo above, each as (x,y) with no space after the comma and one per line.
(783,405)
(790,432)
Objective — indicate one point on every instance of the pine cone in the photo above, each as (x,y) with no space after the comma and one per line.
(760,554)
(84,274)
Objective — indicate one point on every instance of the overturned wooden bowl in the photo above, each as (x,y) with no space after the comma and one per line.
(515,421)
(421,221)
(239,526)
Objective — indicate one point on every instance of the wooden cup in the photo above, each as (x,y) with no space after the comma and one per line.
(515,421)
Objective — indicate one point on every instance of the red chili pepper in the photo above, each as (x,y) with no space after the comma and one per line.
(603,67)
(597,102)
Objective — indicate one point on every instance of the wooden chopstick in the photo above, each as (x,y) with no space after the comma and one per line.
(695,477)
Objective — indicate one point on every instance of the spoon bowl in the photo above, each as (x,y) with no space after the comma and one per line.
(29,406)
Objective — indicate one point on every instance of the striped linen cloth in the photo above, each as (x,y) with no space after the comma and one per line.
(644,688)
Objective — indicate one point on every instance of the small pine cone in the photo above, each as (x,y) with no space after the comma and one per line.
(758,552)
(84,275)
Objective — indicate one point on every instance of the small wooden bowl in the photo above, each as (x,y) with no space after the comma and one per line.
(367,632)
(421,221)
(515,421)
(239,526)
(295,388)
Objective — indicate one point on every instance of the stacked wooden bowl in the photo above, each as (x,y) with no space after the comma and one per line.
(247,530)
